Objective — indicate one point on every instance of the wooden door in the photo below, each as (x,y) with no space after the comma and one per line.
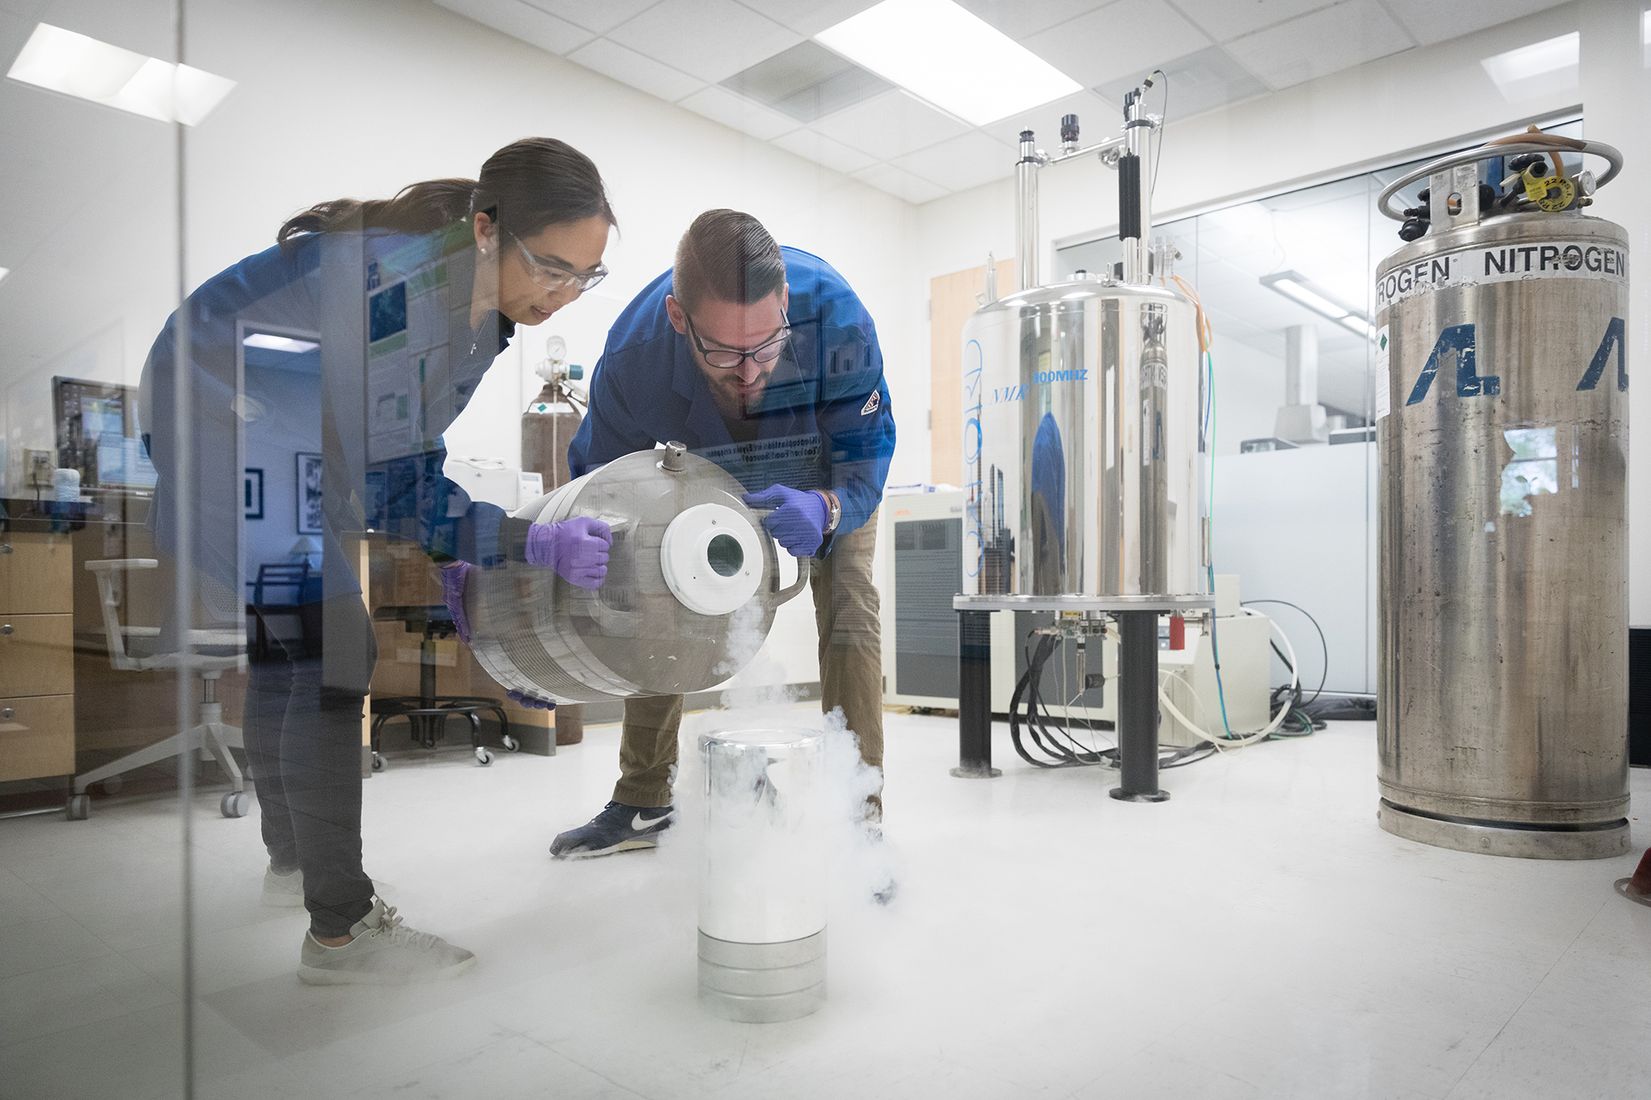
(952,299)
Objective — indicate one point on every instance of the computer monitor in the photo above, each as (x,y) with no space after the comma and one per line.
(122,463)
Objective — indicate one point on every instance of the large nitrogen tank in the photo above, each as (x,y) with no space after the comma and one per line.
(1080,443)
(1503,431)
(693,583)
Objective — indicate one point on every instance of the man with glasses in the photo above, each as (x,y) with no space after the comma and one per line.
(763,360)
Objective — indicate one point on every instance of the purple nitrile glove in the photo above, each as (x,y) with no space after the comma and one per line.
(452,592)
(530,701)
(576,548)
(798,519)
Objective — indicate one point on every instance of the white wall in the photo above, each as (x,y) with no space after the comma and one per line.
(1381,113)
(394,92)
(359,99)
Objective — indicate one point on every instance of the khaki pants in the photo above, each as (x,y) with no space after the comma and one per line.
(851,677)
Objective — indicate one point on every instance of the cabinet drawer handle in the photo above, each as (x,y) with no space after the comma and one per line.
(7,713)
(6,630)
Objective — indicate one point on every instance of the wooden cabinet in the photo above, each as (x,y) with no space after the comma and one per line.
(37,736)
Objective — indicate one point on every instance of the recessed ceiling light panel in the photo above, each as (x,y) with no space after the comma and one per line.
(953,59)
(74,64)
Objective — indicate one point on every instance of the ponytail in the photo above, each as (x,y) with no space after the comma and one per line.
(525,186)
(417,208)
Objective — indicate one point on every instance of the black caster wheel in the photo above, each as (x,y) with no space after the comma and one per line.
(483,758)
(234,804)
(378,762)
(79,807)
(510,743)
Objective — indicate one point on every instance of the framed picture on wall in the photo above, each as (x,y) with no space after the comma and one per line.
(309,493)
(252,493)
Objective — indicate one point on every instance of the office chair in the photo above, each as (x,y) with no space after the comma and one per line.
(272,577)
(133,649)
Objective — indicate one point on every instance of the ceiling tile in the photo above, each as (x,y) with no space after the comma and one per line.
(1197,83)
(1126,38)
(629,67)
(1225,20)
(600,16)
(1328,41)
(521,20)
(809,17)
(1019,18)
(961,162)
(903,185)
(710,39)
(890,125)
(1429,22)
(720,104)
(823,150)
(1097,119)
(806,82)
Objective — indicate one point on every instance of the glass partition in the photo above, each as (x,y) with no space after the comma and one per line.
(102,776)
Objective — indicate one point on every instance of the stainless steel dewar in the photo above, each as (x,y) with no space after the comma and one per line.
(693,583)
(1503,438)
(1081,449)
(762,888)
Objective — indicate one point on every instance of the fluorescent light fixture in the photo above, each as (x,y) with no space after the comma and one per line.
(1296,287)
(63,61)
(1355,323)
(1292,285)
(270,342)
(1539,61)
(4,271)
(950,57)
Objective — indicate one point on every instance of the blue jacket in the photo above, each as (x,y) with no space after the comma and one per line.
(340,288)
(823,422)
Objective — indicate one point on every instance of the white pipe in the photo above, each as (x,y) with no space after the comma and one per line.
(1239,741)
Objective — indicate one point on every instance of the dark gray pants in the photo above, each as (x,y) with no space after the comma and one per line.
(303,739)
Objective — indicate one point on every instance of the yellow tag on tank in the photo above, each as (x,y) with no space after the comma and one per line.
(1550,193)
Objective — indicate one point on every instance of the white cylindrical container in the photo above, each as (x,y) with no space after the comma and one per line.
(66,485)
(762,893)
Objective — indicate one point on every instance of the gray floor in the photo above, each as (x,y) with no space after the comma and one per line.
(1256,936)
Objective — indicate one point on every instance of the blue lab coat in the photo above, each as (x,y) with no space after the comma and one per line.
(823,422)
(326,286)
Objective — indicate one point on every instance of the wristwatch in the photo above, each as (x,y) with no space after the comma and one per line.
(834,510)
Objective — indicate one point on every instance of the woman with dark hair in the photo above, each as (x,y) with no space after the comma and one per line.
(410,299)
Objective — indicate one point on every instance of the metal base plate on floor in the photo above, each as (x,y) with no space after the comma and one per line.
(1135,796)
(1625,888)
(1492,840)
(976,773)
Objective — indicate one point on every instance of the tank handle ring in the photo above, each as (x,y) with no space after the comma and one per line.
(1500,147)
(804,567)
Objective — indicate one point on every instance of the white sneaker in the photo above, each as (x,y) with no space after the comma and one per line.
(382,951)
(287,891)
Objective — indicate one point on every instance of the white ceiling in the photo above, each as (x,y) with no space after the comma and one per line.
(1216,52)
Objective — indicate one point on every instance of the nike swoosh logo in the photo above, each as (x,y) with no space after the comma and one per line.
(640,824)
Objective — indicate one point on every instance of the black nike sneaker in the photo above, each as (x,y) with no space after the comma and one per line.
(618,828)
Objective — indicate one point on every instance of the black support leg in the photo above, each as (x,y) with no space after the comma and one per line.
(1138,707)
(974,696)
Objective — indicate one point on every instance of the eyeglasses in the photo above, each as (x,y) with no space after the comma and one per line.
(729,358)
(553,276)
